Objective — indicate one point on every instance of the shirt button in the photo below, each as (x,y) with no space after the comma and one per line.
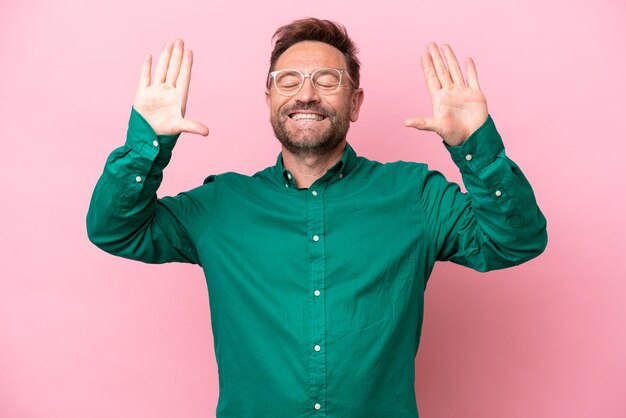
(468,157)
(155,143)
(341,175)
(286,184)
(317,348)
(317,406)
(498,193)
(289,176)
(138,179)
(316,238)
(316,293)
(314,193)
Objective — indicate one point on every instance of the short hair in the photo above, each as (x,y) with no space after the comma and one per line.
(312,29)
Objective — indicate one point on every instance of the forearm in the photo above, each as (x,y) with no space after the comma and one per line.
(499,223)
(125,217)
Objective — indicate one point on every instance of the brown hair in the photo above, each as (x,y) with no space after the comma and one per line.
(312,29)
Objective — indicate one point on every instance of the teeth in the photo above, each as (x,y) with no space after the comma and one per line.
(308,116)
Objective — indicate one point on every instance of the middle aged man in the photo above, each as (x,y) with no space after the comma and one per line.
(316,267)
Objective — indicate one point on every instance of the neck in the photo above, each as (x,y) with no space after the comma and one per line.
(306,169)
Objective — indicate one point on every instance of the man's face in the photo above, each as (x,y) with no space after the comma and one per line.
(306,136)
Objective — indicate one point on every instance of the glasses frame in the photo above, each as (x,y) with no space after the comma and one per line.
(304,76)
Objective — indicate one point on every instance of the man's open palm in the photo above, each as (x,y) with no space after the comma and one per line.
(162,101)
(459,108)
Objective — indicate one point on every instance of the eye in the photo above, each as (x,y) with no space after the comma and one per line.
(327,79)
(287,85)
(288,80)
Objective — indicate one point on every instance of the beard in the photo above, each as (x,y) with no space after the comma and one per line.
(307,142)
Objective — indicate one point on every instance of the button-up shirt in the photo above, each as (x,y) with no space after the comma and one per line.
(317,295)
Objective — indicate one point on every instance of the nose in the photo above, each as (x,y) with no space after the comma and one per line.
(307,92)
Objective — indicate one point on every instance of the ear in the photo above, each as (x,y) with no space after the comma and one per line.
(355,105)
(267,99)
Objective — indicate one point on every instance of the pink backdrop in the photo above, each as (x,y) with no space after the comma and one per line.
(85,334)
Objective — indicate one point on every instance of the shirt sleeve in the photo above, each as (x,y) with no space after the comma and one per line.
(497,223)
(125,217)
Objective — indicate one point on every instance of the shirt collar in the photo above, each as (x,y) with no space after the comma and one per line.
(338,171)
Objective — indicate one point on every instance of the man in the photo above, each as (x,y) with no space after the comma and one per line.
(316,267)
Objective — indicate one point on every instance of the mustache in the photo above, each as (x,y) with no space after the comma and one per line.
(309,107)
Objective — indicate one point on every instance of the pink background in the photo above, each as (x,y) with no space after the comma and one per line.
(86,334)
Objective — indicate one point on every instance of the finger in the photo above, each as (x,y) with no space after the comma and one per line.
(472,74)
(164,60)
(432,81)
(440,66)
(421,123)
(146,67)
(184,77)
(453,65)
(194,127)
(175,60)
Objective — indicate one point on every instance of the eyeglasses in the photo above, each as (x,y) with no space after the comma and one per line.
(325,81)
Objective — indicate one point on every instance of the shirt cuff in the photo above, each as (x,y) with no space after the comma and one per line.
(142,138)
(479,150)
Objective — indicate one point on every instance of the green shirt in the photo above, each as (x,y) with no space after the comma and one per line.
(317,295)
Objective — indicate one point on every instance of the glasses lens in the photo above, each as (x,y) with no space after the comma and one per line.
(327,80)
(288,82)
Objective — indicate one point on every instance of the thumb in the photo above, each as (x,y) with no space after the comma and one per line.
(194,127)
(420,122)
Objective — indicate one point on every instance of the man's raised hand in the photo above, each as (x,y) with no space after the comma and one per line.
(162,101)
(459,108)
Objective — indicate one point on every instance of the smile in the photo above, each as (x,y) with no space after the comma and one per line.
(306,117)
